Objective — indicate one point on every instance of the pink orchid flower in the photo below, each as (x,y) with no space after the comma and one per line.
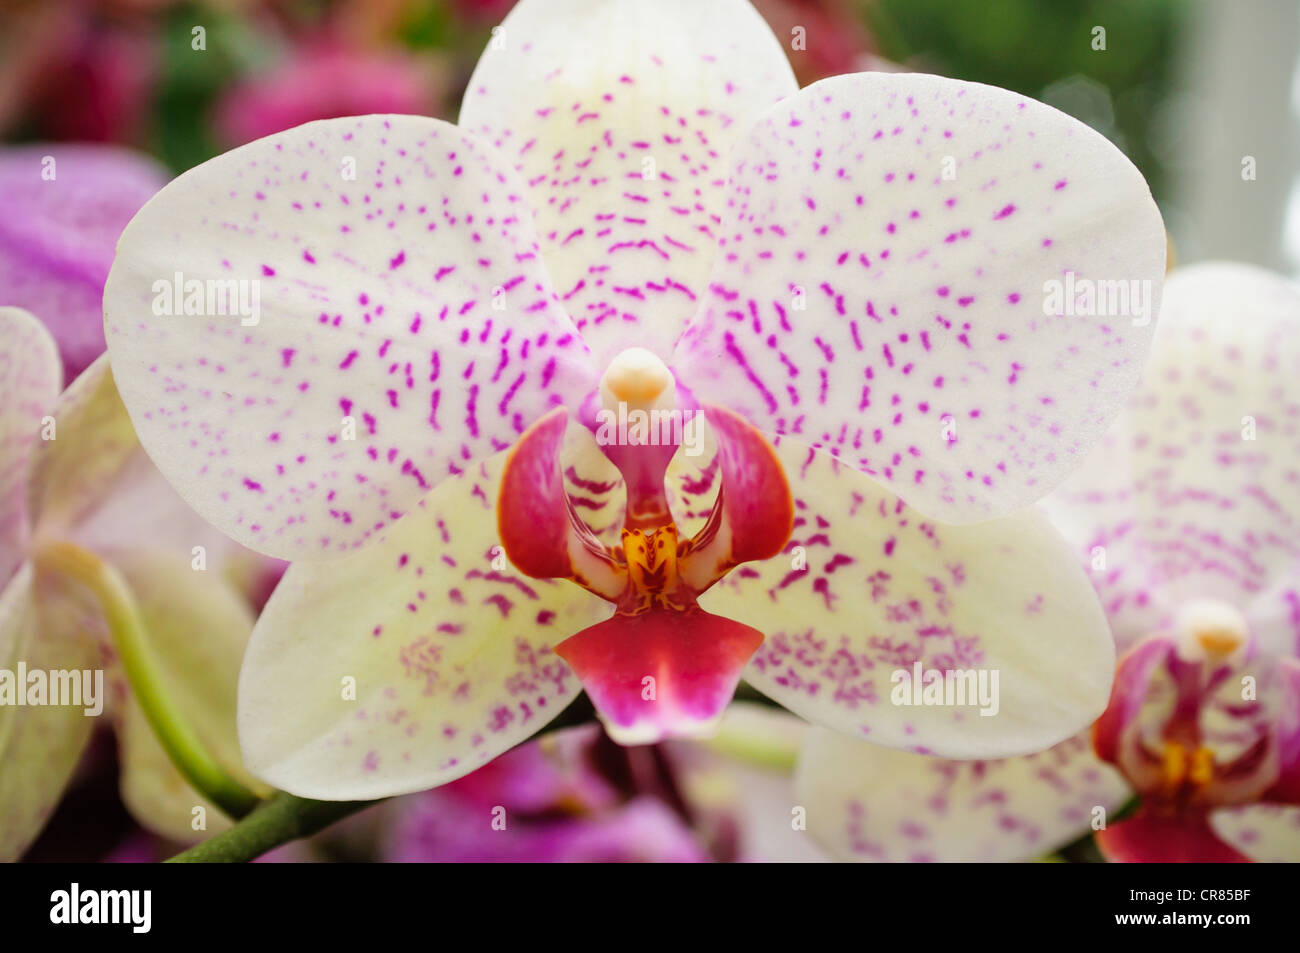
(549,801)
(65,207)
(322,79)
(1187,519)
(71,471)
(419,334)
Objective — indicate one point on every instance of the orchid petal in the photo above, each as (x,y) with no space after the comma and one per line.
(43,627)
(65,206)
(75,473)
(197,628)
(389,330)
(1190,498)
(1266,833)
(30,377)
(1220,428)
(882,290)
(449,649)
(870,803)
(95,485)
(869,587)
(1096,510)
(622,126)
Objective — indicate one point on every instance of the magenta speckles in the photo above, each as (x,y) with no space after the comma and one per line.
(628,175)
(788,228)
(359,319)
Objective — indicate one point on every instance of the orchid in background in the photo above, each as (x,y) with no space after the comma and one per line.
(825,37)
(1187,518)
(65,206)
(320,79)
(82,70)
(572,796)
(389,349)
(575,795)
(84,517)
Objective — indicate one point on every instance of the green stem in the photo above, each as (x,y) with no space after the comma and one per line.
(122,614)
(279,819)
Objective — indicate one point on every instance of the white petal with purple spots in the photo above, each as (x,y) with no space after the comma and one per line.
(1195,493)
(620,115)
(373,316)
(868,588)
(900,282)
(1266,833)
(450,648)
(869,803)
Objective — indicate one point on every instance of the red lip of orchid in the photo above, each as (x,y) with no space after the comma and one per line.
(660,666)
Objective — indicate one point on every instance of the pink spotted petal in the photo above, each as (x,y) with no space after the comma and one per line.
(450,648)
(404,326)
(95,486)
(1096,510)
(30,377)
(622,126)
(65,206)
(869,803)
(1151,838)
(1193,495)
(882,289)
(661,674)
(1266,833)
(868,587)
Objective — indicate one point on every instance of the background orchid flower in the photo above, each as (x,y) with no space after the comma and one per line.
(575,795)
(1186,517)
(65,206)
(560,799)
(73,473)
(663,222)
(325,77)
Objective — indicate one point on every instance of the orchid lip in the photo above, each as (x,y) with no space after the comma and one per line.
(1185,761)
(660,666)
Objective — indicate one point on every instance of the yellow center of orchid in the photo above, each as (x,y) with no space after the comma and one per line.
(1211,631)
(652,570)
(1183,765)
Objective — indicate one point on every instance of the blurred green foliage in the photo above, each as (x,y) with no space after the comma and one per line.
(181,133)
(1044,48)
